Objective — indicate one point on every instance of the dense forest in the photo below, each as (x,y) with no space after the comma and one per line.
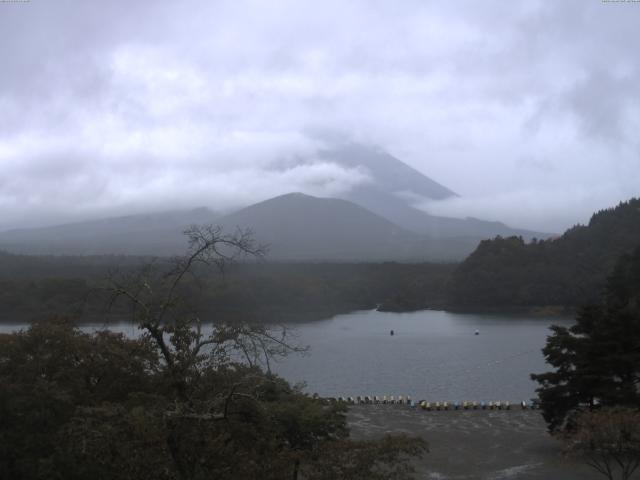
(30,287)
(567,271)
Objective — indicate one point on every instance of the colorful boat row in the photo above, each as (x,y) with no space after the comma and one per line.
(426,405)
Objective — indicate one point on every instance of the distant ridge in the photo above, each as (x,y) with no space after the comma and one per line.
(301,227)
(373,221)
(296,227)
(144,234)
(394,186)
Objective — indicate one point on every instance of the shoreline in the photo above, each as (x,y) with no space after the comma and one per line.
(318,316)
(538,310)
(473,444)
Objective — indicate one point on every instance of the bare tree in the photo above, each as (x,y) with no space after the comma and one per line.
(608,440)
(160,307)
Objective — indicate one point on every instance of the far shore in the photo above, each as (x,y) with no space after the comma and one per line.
(536,310)
(285,317)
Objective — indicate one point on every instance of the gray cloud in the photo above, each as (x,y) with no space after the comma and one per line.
(124,106)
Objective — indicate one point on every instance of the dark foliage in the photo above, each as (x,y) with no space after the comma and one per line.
(597,360)
(78,405)
(257,292)
(567,271)
(241,424)
(608,440)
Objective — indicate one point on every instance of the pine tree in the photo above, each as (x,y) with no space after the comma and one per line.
(597,360)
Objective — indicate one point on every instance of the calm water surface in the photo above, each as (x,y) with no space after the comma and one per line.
(433,354)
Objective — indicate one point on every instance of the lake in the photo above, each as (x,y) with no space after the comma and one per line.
(433,354)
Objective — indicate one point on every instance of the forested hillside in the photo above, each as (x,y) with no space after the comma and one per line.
(32,287)
(568,271)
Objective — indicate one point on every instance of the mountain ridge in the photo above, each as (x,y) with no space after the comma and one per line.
(394,180)
(138,234)
(396,230)
(296,226)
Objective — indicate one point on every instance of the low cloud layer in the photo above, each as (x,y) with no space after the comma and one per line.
(529,110)
(546,211)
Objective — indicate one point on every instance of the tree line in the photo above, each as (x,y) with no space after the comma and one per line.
(567,271)
(257,291)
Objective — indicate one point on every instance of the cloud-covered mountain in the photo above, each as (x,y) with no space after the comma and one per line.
(116,105)
(373,220)
(388,173)
(395,187)
(294,226)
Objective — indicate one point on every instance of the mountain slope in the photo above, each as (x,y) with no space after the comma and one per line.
(393,207)
(396,186)
(298,226)
(389,173)
(295,226)
(570,270)
(146,234)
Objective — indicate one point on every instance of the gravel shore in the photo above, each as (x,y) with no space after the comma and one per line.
(474,444)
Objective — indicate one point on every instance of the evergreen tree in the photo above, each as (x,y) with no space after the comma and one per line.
(597,360)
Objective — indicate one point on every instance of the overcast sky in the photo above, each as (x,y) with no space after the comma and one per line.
(530,110)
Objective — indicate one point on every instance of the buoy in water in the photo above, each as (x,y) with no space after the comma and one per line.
(391,333)
(477,332)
